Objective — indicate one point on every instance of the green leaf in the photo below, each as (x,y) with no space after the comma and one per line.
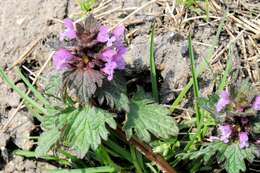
(210,151)
(46,141)
(209,104)
(114,93)
(195,83)
(88,129)
(53,87)
(31,154)
(36,93)
(234,159)
(147,116)
(22,94)
(58,118)
(85,170)
(86,5)
(153,68)
(202,66)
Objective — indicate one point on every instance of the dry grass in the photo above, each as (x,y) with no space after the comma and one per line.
(242,26)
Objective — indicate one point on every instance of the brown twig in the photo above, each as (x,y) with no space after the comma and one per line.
(25,54)
(147,151)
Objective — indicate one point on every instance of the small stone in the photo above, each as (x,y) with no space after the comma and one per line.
(19,164)
(9,167)
(22,125)
(29,164)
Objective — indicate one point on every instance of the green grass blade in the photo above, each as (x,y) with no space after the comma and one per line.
(207,10)
(104,158)
(102,169)
(228,69)
(118,150)
(22,94)
(73,159)
(140,159)
(153,68)
(194,82)
(32,154)
(36,93)
(201,68)
(138,168)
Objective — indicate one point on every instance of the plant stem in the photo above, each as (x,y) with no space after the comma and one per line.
(147,151)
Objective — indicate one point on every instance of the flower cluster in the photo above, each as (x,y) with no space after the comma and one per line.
(93,53)
(111,54)
(239,128)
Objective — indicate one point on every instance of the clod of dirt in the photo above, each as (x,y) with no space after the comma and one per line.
(42,167)
(20,128)
(8,98)
(25,24)
(169,58)
(15,165)
(20,165)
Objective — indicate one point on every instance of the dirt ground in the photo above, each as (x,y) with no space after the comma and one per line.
(30,28)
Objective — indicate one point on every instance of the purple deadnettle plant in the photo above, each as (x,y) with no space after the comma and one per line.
(239,105)
(95,55)
(234,139)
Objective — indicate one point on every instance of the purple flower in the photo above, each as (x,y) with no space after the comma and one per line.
(107,55)
(61,59)
(116,36)
(109,69)
(118,32)
(256,104)
(70,32)
(114,60)
(113,54)
(119,59)
(223,101)
(243,139)
(225,132)
(103,36)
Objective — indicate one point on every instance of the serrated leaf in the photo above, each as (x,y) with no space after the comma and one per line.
(114,93)
(234,156)
(57,118)
(53,87)
(209,104)
(209,151)
(82,82)
(46,140)
(88,129)
(147,116)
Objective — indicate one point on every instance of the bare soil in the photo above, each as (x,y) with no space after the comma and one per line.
(26,23)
